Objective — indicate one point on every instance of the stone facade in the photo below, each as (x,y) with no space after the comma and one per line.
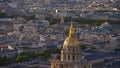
(71,56)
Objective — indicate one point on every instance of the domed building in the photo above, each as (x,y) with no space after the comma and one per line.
(71,56)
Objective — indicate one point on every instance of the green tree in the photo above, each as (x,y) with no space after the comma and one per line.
(46,56)
(1,61)
(56,50)
(22,58)
(42,52)
(82,46)
(2,14)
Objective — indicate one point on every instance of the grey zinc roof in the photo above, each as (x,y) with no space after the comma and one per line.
(96,56)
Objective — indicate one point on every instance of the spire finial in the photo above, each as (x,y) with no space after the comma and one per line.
(71,32)
(71,25)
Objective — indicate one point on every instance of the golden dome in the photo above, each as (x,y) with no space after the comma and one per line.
(71,40)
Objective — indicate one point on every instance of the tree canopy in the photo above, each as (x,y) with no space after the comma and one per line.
(82,46)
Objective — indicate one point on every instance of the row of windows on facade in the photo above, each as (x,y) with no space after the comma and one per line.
(72,49)
(67,66)
(74,57)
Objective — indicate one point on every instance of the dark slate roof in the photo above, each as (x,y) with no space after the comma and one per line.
(50,46)
(90,51)
(96,56)
(6,51)
(113,64)
(26,43)
(4,41)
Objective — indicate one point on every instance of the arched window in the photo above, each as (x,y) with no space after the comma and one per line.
(73,49)
(84,66)
(77,56)
(64,56)
(54,66)
(61,66)
(78,49)
(68,57)
(73,57)
(68,49)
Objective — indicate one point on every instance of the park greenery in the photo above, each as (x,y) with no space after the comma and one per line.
(82,46)
(104,11)
(91,22)
(43,55)
(2,14)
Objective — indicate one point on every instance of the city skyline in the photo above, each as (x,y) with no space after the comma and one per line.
(59,34)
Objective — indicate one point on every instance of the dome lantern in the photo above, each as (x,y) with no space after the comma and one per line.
(71,40)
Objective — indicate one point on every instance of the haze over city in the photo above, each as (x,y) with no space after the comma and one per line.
(59,33)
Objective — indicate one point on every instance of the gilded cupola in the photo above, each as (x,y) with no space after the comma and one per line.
(71,40)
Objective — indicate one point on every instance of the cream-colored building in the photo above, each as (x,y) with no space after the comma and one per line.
(71,56)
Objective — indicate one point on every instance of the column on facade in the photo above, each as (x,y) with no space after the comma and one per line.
(61,57)
(71,57)
(65,66)
(52,65)
(69,66)
(90,66)
(76,57)
(66,56)
(58,66)
(87,66)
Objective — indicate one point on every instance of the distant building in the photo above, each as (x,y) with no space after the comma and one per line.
(7,51)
